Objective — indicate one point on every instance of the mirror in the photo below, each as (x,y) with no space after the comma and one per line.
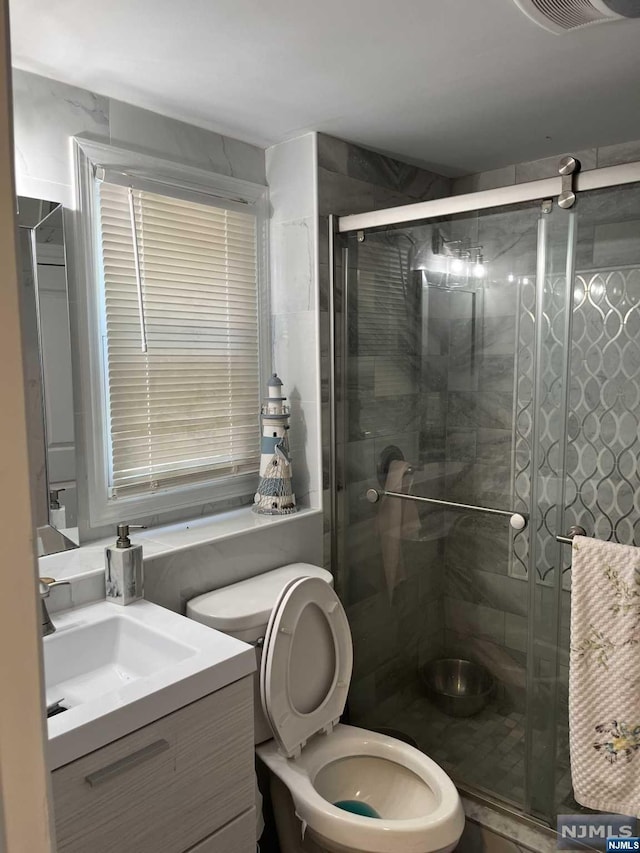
(44,312)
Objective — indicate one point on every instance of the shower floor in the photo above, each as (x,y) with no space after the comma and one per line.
(486,751)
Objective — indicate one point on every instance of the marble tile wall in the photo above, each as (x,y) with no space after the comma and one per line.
(47,113)
(461,368)
(484,609)
(392,634)
(172,578)
(468,366)
(291,175)
(476,329)
(352,179)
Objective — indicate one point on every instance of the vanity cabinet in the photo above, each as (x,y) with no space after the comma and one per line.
(183,783)
(239,835)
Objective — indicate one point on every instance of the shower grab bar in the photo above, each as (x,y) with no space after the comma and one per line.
(517,520)
(574,530)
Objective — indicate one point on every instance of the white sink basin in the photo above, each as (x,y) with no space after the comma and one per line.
(115,669)
(89,660)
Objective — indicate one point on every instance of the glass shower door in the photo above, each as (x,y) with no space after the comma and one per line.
(440,341)
(489,359)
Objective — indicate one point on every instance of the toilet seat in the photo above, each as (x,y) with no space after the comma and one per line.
(307,660)
(437,828)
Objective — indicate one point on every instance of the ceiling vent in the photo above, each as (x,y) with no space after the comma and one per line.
(561,16)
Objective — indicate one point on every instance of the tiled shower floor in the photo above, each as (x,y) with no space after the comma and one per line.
(486,751)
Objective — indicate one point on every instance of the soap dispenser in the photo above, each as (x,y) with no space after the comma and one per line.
(124,578)
(57,513)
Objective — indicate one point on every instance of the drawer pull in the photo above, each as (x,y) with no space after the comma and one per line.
(124,764)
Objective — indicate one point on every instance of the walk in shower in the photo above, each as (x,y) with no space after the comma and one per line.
(489,356)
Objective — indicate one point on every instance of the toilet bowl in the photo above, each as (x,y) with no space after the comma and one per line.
(418,806)
(334,787)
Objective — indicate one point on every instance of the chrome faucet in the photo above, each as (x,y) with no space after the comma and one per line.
(45,590)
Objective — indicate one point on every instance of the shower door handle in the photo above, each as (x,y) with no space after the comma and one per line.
(517,520)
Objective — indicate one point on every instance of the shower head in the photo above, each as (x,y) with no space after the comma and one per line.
(441,281)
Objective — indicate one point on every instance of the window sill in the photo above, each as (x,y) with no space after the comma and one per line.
(87,561)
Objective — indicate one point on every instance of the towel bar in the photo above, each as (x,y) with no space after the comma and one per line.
(517,520)
(574,530)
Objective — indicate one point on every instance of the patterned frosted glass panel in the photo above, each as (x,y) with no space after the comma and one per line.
(602,476)
(604,423)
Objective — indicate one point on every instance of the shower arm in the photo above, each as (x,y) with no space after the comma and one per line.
(517,520)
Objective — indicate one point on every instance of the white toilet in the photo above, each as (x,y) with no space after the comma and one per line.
(394,799)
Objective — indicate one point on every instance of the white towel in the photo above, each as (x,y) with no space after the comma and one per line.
(604,678)
(397,520)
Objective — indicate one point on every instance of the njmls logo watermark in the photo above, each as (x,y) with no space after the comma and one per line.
(597,832)
(614,844)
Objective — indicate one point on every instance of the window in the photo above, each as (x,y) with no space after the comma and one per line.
(178,317)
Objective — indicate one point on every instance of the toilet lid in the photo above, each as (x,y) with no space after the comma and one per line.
(307,660)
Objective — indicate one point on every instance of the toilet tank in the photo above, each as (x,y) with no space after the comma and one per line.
(242,610)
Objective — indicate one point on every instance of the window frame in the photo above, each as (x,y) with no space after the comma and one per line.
(169,178)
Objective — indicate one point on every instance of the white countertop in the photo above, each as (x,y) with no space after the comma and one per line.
(88,560)
(210,661)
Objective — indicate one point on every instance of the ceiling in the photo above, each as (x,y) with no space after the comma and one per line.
(456,85)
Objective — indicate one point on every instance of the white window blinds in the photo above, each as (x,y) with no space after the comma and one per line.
(184,411)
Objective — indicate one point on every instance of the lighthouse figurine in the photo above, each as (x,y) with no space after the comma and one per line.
(274,495)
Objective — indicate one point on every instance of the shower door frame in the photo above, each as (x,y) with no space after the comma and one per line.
(608,176)
(595,179)
(342,226)
(539,799)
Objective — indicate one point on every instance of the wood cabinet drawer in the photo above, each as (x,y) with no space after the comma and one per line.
(239,836)
(165,786)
